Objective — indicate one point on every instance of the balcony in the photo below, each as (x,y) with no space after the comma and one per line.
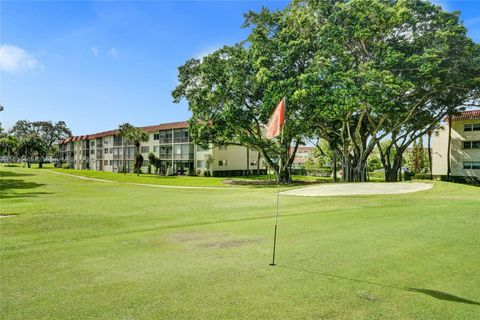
(181,139)
(165,156)
(165,140)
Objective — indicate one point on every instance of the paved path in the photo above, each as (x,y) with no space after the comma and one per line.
(80,177)
(144,184)
(366,188)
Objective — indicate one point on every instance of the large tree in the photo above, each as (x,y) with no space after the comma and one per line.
(48,133)
(384,69)
(233,91)
(29,147)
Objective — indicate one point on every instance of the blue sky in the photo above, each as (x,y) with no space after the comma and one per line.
(98,64)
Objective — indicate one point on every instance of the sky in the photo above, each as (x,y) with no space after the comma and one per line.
(96,65)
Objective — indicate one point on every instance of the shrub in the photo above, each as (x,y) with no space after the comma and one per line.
(65,166)
(149,169)
(206,173)
(422,176)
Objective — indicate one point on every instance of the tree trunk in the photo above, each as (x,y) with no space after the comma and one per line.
(248,161)
(449,147)
(334,167)
(258,164)
(40,162)
(430,154)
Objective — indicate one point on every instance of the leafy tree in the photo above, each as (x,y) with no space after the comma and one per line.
(417,157)
(233,91)
(383,69)
(48,132)
(30,146)
(8,145)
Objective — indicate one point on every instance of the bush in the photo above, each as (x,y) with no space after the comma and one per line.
(236,173)
(11,165)
(206,173)
(65,166)
(422,176)
(407,175)
(149,169)
(191,173)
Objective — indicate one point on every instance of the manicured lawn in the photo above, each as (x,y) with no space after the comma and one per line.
(79,249)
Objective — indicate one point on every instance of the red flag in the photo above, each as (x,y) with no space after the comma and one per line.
(275,124)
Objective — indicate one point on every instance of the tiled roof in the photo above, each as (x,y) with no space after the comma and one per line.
(163,126)
(467,115)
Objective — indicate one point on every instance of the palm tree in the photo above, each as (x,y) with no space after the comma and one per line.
(131,134)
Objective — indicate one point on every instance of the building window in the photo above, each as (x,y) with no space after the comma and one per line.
(471,165)
(222,163)
(180,135)
(92,151)
(92,143)
(156,136)
(111,162)
(105,141)
(471,127)
(200,164)
(471,144)
(105,151)
(222,147)
(105,162)
(144,149)
(165,136)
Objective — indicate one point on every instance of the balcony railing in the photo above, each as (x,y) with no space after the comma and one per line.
(165,140)
(165,156)
(181,139)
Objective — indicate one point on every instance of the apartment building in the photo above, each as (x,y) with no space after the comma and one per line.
(170,142)
(464,147)
(302,156)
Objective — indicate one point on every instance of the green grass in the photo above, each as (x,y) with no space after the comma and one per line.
(79,249)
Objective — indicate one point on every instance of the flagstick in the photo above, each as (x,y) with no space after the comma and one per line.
(278,196)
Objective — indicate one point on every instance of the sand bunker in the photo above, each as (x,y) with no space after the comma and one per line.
(349,189)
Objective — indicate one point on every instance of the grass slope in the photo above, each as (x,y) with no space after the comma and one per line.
(81,249)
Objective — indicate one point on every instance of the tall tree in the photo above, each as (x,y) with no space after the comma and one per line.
(233,91)
(48,132)
(384,68)
(136,136)
(8,145)
(29,147)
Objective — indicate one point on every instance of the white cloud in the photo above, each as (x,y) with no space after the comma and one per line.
(94,51)
(113,53)
(15,60)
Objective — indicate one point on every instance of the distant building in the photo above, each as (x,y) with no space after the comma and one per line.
(302,155)
(464,147)
(170,142)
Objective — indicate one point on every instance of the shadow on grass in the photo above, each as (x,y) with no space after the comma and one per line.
(7,186)
(13,174)
(440,295)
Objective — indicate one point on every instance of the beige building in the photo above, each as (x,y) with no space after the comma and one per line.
(464,147)
(169,142)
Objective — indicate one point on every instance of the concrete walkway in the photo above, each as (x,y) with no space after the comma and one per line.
(349,189)
(143,184)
